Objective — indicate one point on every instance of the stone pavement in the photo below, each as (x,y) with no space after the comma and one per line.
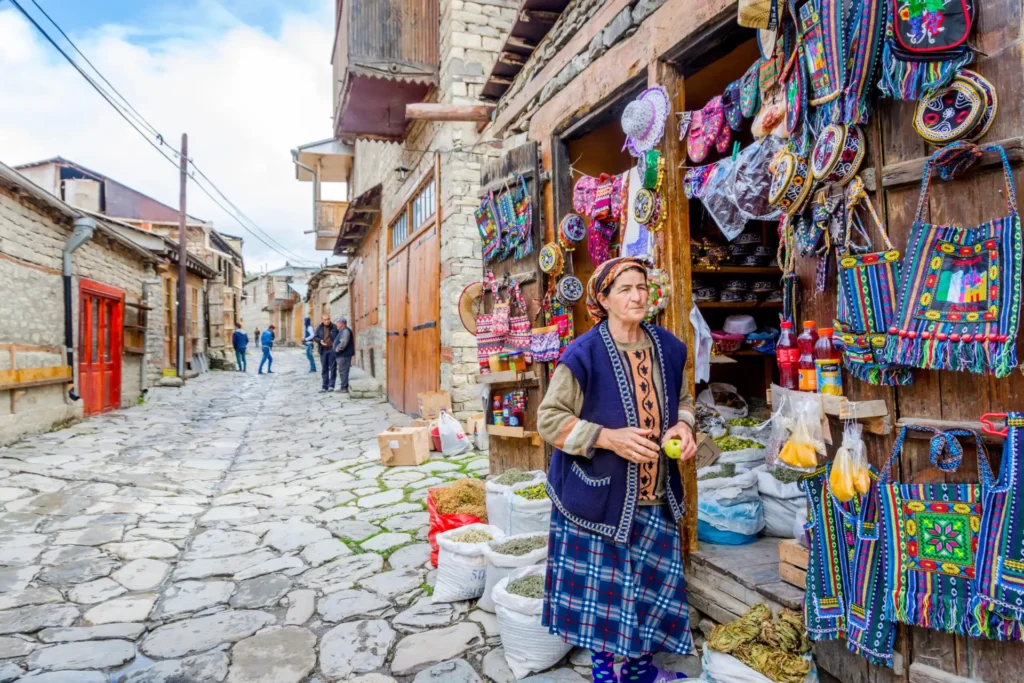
(239,529)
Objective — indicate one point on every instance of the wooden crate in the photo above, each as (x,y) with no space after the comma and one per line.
(793,560)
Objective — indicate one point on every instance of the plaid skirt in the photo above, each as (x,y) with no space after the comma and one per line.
(628,600)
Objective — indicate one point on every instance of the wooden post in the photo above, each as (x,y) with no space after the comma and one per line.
(182,259)
(673,255)
(448,112)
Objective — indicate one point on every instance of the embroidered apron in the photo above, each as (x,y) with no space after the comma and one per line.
(998,603)
(959,297)
(932,535)
(824,602)
(867,293)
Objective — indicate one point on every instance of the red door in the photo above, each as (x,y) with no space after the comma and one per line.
(101,334)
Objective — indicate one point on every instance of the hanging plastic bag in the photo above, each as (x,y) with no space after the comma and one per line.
(453,437)
(724,400)
(728,217)
(805,440)
(840,478)
(500,565)
(497,499)
(461,568)
(861,471)
(527,643)
(750,178)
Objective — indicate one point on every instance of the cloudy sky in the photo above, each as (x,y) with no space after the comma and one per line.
(247,79)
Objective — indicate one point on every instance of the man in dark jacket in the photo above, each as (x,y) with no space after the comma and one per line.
(324,337)
(240,341)
(344,349)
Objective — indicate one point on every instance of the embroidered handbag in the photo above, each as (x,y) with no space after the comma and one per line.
(1000,562)
(544,344)
(603,198)
(867,293)
(932,538)
(731,106)
(523,216)
(749,91)
(959,303)
(519,328)
(487,224)
(824,599)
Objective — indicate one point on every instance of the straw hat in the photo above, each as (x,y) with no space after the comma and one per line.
(758,14)
(643,120)
(468,305)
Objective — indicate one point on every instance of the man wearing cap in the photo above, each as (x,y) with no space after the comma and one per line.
(324,337)
(344,349)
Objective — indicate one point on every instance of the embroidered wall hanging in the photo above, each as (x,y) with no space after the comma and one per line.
(571,231)
(822,35)
(959,302)
(824,599)
(991,102)
(925,44)
(523,203)
(791,183)
(950,113)
(838,153)
(867,297)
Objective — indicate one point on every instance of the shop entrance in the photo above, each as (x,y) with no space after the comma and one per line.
(101,319)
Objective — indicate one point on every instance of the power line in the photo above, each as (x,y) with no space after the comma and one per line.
(280,249)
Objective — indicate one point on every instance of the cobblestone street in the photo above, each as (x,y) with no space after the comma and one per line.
(238,529)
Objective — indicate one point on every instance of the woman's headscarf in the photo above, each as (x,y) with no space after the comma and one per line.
(603,276)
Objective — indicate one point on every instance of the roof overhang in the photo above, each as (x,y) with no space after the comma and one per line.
(333,159)
(373,107)
(533,21)
(360,216)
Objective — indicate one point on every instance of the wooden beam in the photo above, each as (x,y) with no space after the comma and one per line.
(521,44)
(14,379)
(448,112)
(922,673)
(512,59)
(909,172)
(528,16)
(498,80)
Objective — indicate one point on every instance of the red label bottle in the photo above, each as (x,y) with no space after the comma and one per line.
(806,369)
(787,355)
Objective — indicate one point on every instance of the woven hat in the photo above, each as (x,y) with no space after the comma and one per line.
(467,306)
(643,121)
(758,14)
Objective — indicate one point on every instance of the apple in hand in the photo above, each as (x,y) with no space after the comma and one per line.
(674,448)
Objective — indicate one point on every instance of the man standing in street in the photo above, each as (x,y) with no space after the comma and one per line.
(324,337)
(267,342)
(344,349)
(308,339)
(240,341)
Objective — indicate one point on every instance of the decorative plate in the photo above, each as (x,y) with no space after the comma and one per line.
(790,184)
(570,290)
(950,113)
(991,102)
(572,231)
(550,259)
(838,154)
(643,206)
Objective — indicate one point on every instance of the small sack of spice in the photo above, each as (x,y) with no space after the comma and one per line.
(506,555)
(519,605)
(461,567)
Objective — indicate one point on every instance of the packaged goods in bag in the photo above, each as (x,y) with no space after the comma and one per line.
(453,438)
(507,555)
(722,668)
(805,440)
(723,399)
(729,508)
(498,490)
(461,568)
(519,604)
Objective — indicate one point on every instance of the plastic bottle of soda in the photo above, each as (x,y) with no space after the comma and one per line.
(808,379)
(787,355)
(828,365)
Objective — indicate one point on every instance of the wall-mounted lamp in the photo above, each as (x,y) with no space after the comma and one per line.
(403,173)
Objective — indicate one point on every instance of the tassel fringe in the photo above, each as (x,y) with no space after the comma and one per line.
(995,358)
(904,80)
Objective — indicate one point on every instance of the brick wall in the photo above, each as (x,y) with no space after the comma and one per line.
(32,307)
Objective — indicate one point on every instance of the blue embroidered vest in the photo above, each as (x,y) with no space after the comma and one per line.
(600,494)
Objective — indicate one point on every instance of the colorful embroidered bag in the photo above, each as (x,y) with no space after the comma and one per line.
(865,40)
(749,91)
(998,602)
(867,295)
(523,220)
(519,328)
(487,224)
(959,302)
(603,198)
(824,599)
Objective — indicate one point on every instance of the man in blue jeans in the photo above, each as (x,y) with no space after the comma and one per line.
(324,337)
(240,341)
(308,339)
(267,342)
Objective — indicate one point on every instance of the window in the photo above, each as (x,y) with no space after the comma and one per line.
(400,230)
(424,205)
(194,306)
(420,209)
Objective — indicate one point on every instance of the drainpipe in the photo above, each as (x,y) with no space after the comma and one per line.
(316,186)
(144,365)
(84,229)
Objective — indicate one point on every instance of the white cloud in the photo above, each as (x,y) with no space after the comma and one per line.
(245,98)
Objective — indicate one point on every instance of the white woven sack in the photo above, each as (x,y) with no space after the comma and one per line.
(499,566)
(497,500)
(528,516)
(722,668)
(528,645)
(461,568)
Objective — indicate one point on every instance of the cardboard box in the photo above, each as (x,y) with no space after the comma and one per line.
(433,402)
(707,451)
(430,425)
(404,446)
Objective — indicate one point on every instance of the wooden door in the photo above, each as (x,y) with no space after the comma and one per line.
(423,345)
(398,329)
(101,330)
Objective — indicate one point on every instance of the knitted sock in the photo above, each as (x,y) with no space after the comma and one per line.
(603,663)
(639,670)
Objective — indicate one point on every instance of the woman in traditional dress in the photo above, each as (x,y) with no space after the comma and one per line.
(615,580)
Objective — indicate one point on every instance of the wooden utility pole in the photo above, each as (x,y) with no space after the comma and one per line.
(182,258)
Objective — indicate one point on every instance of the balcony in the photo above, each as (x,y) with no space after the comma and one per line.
(329,216)
(385,57)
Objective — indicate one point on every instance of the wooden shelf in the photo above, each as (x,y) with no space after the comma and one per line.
(513,433)
(528,377)
(738,304)
(742,353)
(873,414)
(736,270)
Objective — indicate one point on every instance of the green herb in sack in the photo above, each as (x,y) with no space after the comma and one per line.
(744,422)
(787,475)
(727,444)
(726,469)
(471,536)
(530,586)
(513,476)
(518,547)
(535,492)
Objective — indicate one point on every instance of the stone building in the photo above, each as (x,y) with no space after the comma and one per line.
(408,229)
(116,319)
(327,293)
(276,297)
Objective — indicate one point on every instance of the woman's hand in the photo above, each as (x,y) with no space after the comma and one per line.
(631,443)
(684,433)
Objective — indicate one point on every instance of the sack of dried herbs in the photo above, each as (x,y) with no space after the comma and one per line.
(519,604)
(461,568)
(498,489)
(506,555)
(529,508)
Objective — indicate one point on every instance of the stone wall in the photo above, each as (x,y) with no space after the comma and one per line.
(471,35)
(32,307)
(253,315)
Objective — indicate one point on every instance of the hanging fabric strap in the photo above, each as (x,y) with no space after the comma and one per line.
(944,452)
(952,160)
(857,194)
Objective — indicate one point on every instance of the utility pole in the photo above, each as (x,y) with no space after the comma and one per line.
(182,258)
